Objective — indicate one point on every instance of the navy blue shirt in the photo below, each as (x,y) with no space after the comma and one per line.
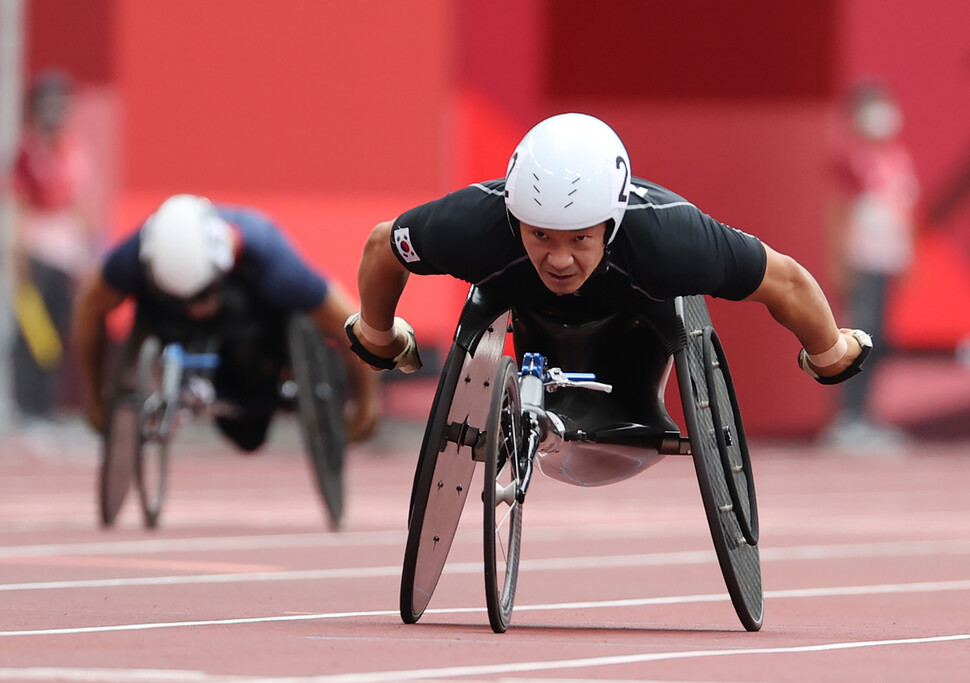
(267,268)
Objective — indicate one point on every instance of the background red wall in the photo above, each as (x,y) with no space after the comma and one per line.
(334,116)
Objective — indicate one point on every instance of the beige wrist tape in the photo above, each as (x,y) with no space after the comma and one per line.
(832,356)
(375,336)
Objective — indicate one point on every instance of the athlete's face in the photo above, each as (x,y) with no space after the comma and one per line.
(204,305)
(564,259)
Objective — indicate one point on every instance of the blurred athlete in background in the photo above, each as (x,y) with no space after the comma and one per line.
(198,270)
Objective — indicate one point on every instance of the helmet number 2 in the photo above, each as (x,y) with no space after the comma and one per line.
(621,162)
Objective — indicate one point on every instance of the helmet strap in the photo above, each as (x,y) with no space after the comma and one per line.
(513,222)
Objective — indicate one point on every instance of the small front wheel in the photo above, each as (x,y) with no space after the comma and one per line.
(503,512)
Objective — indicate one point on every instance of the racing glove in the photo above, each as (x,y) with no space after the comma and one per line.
(407,361)
(865,342)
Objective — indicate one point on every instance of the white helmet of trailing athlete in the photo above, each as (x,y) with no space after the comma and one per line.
(186,246)
(570,172)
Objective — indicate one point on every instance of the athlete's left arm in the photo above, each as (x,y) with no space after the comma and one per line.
(286,280)
(796,300)
(364,408)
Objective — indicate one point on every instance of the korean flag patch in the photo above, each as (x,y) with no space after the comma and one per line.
(402,242)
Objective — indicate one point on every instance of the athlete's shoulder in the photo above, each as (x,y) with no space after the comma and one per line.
(465,233)
(646,195)
(494,188)
(248,219)
(476,206)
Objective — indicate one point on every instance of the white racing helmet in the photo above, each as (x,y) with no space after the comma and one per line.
(570,172)
(186,246)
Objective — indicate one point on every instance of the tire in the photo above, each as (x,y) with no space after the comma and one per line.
(320,410)
(738,558)
(503,513)
(152,450)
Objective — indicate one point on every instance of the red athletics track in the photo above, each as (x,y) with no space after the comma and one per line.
(866,570)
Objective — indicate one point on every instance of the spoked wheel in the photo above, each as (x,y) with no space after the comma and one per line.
(152,462)
(320,410)
(447,462)
(721,461)
(503,513)
(119,454)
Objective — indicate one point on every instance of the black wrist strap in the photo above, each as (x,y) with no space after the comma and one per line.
(850,371)
(364,354)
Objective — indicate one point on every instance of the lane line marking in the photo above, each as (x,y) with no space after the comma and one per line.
(878,589)
(679,558)
(138,563)
(50,673)
(588,662)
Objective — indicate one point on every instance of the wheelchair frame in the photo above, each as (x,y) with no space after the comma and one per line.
(473,419)
(145,407)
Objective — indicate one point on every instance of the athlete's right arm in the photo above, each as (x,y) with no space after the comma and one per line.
(95,300)
(380,282)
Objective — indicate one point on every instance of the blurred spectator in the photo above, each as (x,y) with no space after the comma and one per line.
(872,228)
(53,238)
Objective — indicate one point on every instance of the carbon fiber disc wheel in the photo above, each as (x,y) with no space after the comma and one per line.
(119,453)
(446,465)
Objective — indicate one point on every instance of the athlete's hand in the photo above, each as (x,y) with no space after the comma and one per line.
(400,353)
(94,411)
(858,345)
(361,418)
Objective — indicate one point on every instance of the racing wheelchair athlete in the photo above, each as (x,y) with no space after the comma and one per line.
(230,323)
(598,272)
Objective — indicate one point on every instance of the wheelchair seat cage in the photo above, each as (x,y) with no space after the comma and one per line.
(486,409)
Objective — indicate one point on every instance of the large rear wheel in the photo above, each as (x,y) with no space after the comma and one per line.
(119,453)
(320,409)
(721,460)
(447,462)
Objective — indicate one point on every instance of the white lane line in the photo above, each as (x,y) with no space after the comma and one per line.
(880,589)
(161,676)
(682,558)
(49,673)
(518,667)
(317,539)
(81,675)
(214,543)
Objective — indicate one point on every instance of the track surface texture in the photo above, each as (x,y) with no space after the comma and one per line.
(866,566)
